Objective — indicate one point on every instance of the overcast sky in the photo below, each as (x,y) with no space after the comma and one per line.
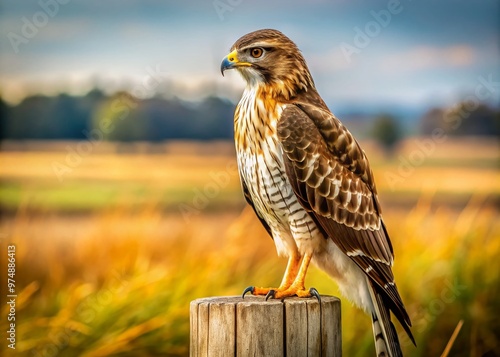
(410,53)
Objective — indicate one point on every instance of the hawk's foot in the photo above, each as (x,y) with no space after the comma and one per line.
(259,291)
(293,291)
(282,293)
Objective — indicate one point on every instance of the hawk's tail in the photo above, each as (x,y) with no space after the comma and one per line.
(386,337)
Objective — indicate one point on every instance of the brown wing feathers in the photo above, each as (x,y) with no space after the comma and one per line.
(349,199)
(335,185)
(341,143)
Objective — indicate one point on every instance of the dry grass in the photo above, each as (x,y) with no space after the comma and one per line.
(120,284)
(177,174)
(117,281)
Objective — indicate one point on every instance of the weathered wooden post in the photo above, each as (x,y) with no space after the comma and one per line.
(232,326)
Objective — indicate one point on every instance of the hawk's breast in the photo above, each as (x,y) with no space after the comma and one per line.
(260,163)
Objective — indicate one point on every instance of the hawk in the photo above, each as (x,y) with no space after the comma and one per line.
(310,184)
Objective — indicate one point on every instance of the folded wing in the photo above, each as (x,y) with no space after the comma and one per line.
(332,179)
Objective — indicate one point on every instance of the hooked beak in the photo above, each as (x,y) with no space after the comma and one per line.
(231,61)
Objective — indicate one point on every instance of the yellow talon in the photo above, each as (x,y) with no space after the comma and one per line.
(292,283)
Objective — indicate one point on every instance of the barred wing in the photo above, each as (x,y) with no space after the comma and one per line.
(331,177)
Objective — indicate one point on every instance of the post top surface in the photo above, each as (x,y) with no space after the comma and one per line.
(252,300)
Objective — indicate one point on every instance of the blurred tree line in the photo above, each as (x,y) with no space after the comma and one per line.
(122,117)
(119,117)
(465,118)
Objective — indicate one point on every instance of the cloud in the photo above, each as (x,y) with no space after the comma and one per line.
(329,62)
(426,57)
(65,29)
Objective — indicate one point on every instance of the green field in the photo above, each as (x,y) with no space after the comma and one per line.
(110,254)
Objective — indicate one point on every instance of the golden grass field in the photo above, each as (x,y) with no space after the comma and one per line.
(109,257)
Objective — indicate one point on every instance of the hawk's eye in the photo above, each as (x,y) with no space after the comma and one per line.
(256,52)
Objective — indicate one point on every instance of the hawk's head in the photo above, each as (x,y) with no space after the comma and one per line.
(267,57)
